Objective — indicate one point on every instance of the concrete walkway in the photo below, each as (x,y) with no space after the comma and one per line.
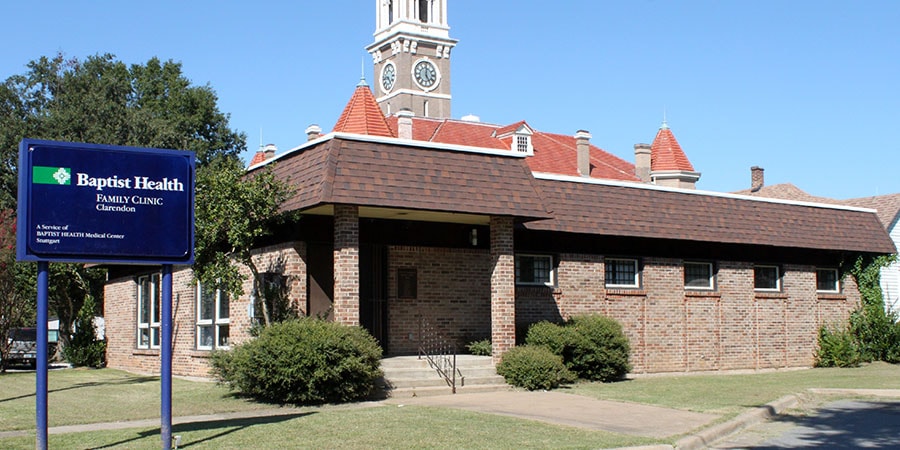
(574,410)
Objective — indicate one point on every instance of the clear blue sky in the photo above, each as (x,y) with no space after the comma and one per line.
(808,90)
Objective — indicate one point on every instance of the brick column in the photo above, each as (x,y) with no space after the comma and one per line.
(346,264)
(503,287)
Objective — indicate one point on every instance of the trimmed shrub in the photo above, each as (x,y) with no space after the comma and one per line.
(837,348)
(533,367)
(602,353)
(480,348)
(559,339)
(592,346)
(305,361)
(84,349)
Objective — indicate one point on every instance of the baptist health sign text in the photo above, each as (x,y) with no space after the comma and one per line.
(103,203)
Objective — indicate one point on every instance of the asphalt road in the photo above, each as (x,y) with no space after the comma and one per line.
(835,425)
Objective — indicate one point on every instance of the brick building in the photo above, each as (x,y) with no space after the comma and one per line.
(412,223)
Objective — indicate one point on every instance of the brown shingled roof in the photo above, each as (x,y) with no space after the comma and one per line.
(349,171)
(787,191)
(663,214)
(887,206)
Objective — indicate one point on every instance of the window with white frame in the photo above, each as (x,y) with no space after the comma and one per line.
(212,318)
(699,275)
(827,280)
(622,273)
(534,270)
(522,142)
(766,278)
(148,311)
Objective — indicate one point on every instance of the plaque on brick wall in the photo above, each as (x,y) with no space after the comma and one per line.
(406,283)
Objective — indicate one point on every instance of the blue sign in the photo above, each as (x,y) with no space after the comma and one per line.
(100,203)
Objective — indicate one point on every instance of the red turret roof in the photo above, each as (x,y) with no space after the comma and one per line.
(362,115)
(666,154)
(259,157)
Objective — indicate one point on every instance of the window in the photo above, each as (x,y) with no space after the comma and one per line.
(423,10)
(148,311)
(212,318)
(534,270)
(766,278)
(522,144)
(827,280)
(699,275)
(522,141)
(622,273)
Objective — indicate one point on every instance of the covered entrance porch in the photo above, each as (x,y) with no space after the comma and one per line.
(410,276)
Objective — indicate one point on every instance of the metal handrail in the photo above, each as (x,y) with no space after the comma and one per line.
(440,354)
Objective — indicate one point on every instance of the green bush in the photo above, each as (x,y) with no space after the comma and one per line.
(837,348)
(84,349)
(875,332)
(603,353)
(305,361)
(592,346)
(533,367)
(560,340)
(480,348)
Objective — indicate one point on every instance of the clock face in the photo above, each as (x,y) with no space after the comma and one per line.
(425,74)
(388,75)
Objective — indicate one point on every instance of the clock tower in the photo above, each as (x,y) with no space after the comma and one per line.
(411,54)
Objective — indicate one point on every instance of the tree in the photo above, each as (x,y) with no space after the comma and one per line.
(101,100)
(233,211)
(17,296)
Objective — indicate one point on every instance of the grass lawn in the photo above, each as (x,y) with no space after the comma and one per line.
(88,396)
(732,394)
(387,426)
(79,396)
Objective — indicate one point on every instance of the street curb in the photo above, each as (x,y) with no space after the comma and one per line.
(707,437)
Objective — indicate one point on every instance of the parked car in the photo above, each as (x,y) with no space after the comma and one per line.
(23,347)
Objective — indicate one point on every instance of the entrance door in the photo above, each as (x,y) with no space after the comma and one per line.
(373,291)
(320,264)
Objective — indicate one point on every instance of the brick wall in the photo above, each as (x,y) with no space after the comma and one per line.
(675,330)
(346,264)
(453,296)
(670,329)
(120,311)
(503,287)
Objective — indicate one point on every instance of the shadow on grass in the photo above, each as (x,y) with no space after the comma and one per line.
(842,424)
(227,426)
(125,381)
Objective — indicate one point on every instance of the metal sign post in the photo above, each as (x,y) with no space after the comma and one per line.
(41,390)
(87,203)
(165,403)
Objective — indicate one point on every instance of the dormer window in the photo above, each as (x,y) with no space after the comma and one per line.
(522,142)
(519,136)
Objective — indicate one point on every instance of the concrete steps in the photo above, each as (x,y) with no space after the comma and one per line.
(409,376)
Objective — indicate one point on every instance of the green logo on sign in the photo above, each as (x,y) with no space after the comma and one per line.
(51,175)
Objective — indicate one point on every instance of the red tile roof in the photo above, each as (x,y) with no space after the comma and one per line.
(259,157)
(666,154)
(362,115)
(553,153)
